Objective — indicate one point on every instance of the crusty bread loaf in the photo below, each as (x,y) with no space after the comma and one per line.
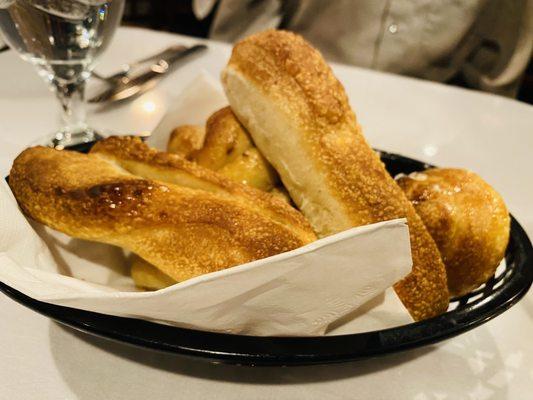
(148,277)
(467,219)
(133,155)
(182,218)
(297,112)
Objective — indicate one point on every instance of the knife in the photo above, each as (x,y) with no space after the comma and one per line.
(139,65)
(130,86)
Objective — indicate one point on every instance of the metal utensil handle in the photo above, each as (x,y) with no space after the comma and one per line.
(169,50)
(160,55)
(134,85)
(185,52)
(158,69)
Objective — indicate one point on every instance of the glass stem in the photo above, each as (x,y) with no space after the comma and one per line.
(71,97)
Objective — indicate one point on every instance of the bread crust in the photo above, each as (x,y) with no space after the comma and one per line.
(136,157)
(297,112)
(186,140)
(225,140)
(148,277)
(467,219)
(183,231)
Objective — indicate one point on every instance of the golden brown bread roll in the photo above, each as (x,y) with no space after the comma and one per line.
(180,217)
(467,219)
(225,140)
(251,169)
(224,146)
(298,115)
(186,140)
(148,277)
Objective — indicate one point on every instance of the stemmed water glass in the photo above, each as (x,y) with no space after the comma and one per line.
(62,39)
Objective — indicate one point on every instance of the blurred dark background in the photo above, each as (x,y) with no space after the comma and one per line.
(177,16)
(167,15)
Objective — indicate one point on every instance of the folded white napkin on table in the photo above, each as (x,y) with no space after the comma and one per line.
(337,285)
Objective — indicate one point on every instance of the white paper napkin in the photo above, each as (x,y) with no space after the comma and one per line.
(201,98)
(337,285)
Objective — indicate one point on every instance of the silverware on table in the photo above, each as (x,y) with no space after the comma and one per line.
(135,66)
(126,85)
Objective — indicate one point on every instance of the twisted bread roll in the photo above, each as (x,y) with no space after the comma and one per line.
(298,114)
(225,140)
(224,146)
(467,219)
(186,140)
(182,218)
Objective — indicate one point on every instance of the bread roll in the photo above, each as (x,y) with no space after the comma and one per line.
(297,112)
(224,146)
(225,140)
(182,218)
(186,140)
(148,277)
(467,219)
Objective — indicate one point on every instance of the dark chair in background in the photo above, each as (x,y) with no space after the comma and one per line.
(167,15)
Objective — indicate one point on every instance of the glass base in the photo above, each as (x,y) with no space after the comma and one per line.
(63,139)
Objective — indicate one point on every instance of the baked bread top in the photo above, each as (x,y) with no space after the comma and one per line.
(211,224)
(299,117)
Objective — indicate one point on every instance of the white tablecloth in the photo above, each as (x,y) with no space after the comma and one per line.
(443,125)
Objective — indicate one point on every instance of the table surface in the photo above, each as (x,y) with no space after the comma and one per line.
(440,124)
